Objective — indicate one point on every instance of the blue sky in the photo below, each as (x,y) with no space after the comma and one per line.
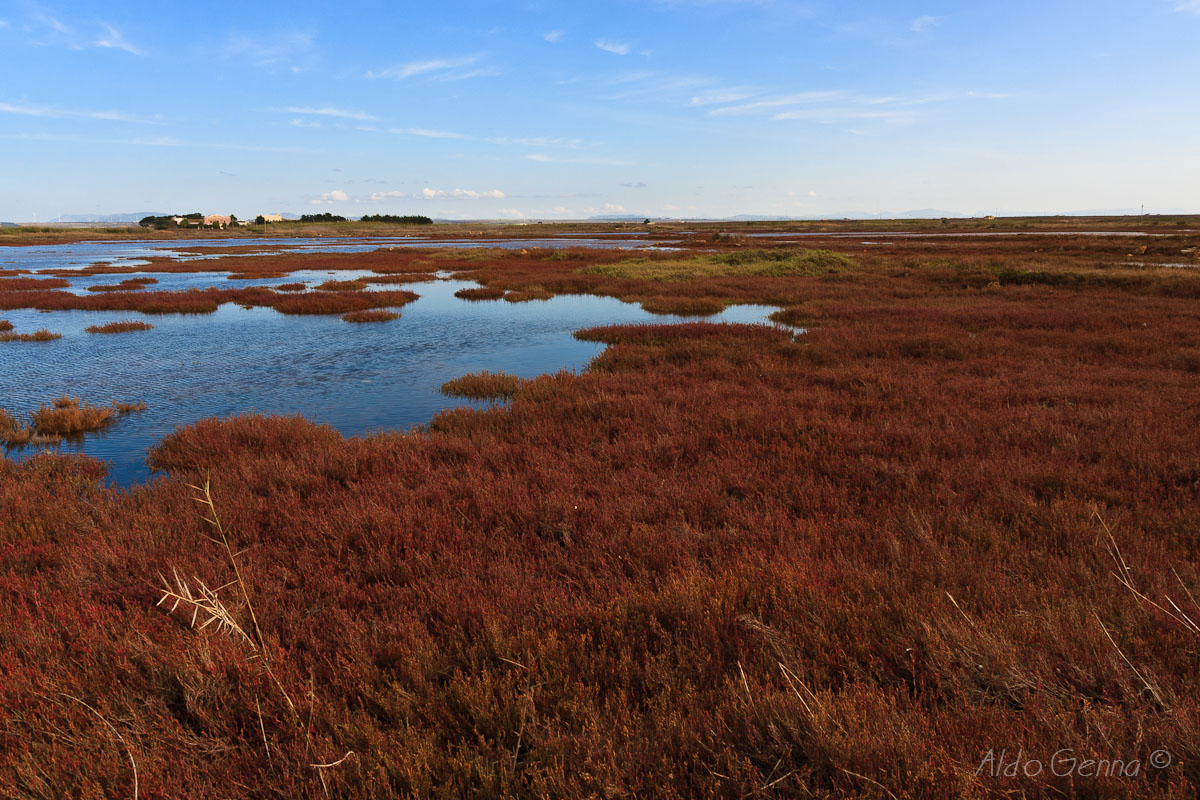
(566,110)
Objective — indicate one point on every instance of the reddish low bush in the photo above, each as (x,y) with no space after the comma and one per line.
(342,286)
(684,306)
(68,416)
(125,326)
(41,335)
(370,316)
(951,521)
(483,386)
(32,284)
(480,293)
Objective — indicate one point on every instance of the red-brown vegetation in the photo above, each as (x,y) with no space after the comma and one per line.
(130,285)
(253,276)
(317,302)
(958,516)
(32,284)
(206,301)
(342,286)
(483,385)
(399,278)
(528,295)
(290,287)
(40,335)
(68,416)
(684,306)
(480,293)
(5,326)
(377,315)
(124,326)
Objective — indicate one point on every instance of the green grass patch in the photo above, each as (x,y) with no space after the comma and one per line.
(740,263)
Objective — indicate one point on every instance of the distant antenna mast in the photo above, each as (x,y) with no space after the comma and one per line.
(1143,209)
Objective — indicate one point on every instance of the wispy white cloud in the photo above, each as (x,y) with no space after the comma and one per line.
(721,97)
(52,112)
(326,198)
(292,49)
(144,141)
(47,30)
(926,23)
(601,162)
(609,46)
(410,69)
(1189,6)
(325,111)
(113,39)
(554,36)
(538,141)
(428,133)
(461,194)
(4,24)
(513,212)
(439,194)
(768,103)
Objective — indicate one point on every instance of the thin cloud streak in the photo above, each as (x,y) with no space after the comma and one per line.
(411,69)
(326,111)
(50,112)
(608,46)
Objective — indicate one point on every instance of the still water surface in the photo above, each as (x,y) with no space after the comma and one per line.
(357,378)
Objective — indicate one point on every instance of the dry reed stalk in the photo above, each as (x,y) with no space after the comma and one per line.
(117,733)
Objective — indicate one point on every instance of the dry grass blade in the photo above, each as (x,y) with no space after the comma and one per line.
(1123,577)
(117,733)
(1146,683)
(333,764)
(204,498)
(203,601)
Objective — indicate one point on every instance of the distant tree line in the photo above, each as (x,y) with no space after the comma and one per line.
(326,217)
(415,219)
(168,221)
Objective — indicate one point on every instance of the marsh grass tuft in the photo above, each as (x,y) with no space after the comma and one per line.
(684,306)
(42,335)
(69,416)
(376,315)
(480,293)
(342,286)
(483,386)
(526,295)
(124,326)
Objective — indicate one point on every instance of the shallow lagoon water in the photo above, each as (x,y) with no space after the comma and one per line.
(132,252)
(356,378)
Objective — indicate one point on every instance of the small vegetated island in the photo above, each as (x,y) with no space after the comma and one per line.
(952,524)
